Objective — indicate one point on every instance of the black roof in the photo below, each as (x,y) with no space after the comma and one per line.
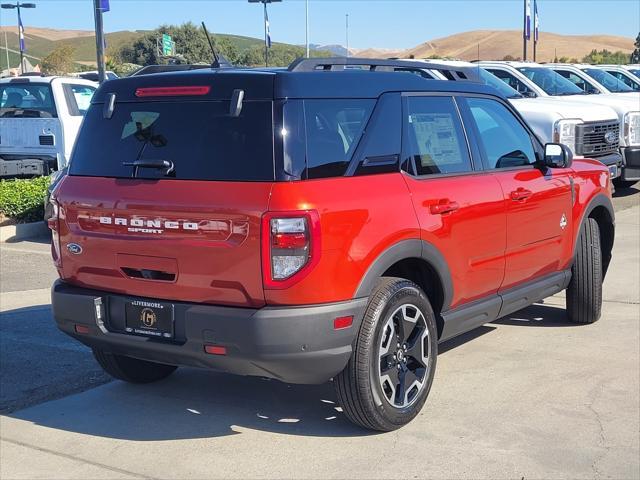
(271,84)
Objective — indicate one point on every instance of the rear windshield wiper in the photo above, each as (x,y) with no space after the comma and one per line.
(158,164)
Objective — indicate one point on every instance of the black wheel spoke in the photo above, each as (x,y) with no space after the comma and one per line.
(402,368)
(415,351)
(387,362)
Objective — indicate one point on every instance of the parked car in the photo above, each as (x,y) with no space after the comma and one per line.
(94,75)
(622,74)
(595,80)
(552,119)
(546,81)
(308,224)
(39,121)
(635,69)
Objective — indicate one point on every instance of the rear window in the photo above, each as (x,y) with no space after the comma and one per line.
(26,100)
(200,139)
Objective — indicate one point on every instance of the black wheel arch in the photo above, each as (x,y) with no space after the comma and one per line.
(601,210)
(432,275)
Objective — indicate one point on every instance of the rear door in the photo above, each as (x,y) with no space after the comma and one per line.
(190,232)
(29,123)
(538,199)
(460,209)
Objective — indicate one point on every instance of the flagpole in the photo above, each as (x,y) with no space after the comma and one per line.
(524,33)
(535,29)
(266,33)
(20,36)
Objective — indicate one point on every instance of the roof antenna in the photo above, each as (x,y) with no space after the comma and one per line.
(216,60)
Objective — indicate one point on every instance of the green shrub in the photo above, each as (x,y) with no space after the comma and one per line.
(23,199)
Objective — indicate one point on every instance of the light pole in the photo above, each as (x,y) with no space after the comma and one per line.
(306,23)
(18,6)
(267,33)
(347,33)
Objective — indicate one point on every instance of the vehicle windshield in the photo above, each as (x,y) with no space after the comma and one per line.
(551,82)
(635,71)
(607,80)
(26,100)
(493,81)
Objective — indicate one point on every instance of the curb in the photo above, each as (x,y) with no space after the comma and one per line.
(22,231)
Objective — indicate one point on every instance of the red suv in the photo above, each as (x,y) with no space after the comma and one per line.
(309,224)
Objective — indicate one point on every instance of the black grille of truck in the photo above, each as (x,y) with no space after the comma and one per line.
(596,139)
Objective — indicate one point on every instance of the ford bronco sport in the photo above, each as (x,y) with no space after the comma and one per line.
(314,223)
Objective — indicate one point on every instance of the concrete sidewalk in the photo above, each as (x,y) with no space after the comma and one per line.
(528,396)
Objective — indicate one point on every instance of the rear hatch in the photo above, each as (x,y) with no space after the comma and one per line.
(29,123)
(188,231)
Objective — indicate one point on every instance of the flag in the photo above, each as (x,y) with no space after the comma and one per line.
(21,30)
(104,5)
(527,20)
(536,21)
(266,26)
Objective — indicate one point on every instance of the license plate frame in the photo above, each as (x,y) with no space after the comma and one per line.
(147,318)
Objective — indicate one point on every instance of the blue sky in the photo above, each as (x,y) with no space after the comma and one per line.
(373,23)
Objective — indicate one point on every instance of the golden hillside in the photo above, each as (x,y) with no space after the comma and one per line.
(495,45)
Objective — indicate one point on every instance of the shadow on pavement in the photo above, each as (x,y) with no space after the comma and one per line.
(196,403)
(625,192)
(538,316)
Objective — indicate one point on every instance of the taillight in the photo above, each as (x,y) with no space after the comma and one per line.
(290,247)
(54,225)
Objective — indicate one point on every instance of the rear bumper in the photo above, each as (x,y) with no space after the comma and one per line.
(25,165)
(291,344)
(631,167)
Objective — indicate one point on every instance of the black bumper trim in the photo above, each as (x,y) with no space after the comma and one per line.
(631,167)
(291,344)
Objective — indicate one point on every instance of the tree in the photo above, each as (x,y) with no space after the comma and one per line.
(191,45)
(605,56)
(59,61)
(635,56)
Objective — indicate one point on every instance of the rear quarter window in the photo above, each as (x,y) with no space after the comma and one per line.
(201,139)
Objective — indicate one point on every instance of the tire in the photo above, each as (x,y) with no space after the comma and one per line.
(131,369)
(621,184)
(370,389)
(584,293)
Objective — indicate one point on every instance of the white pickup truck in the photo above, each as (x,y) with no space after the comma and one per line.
(552,119)
(39,121)
(534,80)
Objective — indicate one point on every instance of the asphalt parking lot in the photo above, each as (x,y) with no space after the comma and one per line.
(529,396)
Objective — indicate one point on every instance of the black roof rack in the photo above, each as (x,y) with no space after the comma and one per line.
(375,65)
(341,63)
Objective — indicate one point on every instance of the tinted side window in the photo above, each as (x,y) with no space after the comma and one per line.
(333,129)
(513,82)
(505,141)
(579,82)
(78,98)
(434,139)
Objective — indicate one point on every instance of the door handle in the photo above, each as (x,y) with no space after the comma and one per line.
(520,194)
(444,206)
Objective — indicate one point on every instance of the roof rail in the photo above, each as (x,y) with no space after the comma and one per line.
(340,63)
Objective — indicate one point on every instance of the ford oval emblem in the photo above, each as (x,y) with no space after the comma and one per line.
(74,248)
(611,137)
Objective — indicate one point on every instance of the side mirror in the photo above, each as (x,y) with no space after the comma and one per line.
(557,155)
